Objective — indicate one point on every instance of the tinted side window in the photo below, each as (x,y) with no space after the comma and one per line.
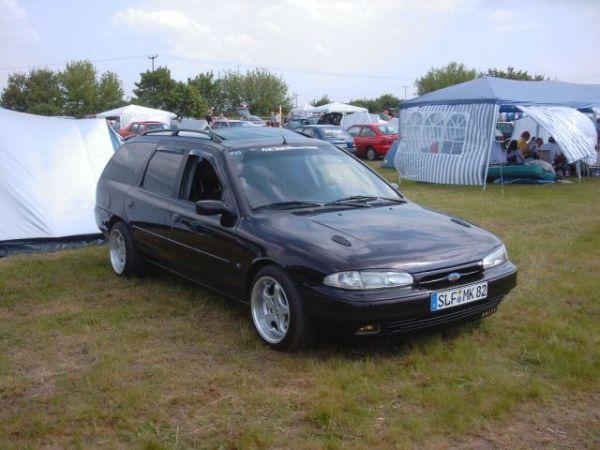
(127,162)
(201,181)
(161,174)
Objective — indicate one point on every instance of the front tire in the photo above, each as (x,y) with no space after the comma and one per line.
(277,311)
(124,256)
(371,154)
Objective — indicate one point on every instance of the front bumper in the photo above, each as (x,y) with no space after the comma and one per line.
(403,310)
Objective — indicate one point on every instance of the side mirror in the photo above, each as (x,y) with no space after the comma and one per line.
(212,208)
(395,186)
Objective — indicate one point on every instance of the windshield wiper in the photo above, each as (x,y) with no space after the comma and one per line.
(288,205)
(360,200)
(352,199)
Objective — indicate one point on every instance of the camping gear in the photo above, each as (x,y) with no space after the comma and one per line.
(447,135)
(48,172)
(388,159)
(519,171)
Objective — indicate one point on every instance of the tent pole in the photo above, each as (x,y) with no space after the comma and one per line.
(397,155)
(489,152)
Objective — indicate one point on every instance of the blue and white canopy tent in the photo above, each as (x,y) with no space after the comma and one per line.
(447,135)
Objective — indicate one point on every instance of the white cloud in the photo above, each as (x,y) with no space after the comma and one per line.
(17,36)
(334,36)
(158,20)
(15,29)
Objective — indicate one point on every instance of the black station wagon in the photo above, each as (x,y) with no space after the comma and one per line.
(305,233)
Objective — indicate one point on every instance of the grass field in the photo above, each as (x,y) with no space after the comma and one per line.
(91,360)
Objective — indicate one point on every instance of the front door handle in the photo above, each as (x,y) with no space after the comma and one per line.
(176,218)
(131,204)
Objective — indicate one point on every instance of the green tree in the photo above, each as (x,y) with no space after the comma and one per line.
(14,95)
(260,89)
(512,74)
(154,88)
(208,87)
(321,101)
(44,93)
(110,92)
(80,88)
(379,104)
(265,92)
(186,101)
(438,78)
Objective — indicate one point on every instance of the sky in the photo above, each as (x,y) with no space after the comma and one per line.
(345,49)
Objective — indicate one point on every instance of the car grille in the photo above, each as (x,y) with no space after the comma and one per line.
(432,320)
(438,279)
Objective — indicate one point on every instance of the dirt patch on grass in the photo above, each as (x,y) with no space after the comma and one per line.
(564,422)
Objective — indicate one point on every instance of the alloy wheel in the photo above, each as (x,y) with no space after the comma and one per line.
(118,252)
(270,309)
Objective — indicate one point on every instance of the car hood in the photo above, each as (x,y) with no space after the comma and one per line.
(403,236)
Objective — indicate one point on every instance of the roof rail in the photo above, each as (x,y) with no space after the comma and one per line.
(175,132)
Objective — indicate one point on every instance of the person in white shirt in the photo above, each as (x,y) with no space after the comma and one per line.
(553,148)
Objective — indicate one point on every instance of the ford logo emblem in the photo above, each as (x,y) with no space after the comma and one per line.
(454,276)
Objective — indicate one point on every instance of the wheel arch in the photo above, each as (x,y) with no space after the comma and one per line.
(255,267)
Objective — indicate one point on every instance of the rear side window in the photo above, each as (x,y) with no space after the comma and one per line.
(161,173)
(367,132)
(128,161)
(354,131)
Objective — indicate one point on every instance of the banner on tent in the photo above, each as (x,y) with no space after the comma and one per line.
(448,144)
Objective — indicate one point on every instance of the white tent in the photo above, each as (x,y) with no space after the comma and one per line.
(135,113)
(302,110)
(339,108)
(359,118)
(49,168)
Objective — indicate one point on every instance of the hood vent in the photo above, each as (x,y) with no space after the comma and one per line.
(341,240)
(461,222)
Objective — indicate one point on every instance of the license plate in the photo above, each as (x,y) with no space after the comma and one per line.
(342,146)
(458,296)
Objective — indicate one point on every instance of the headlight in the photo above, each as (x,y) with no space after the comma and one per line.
(368,280)
(495,258)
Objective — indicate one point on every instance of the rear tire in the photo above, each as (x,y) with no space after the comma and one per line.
(371,154)
(123,254)
(277,311)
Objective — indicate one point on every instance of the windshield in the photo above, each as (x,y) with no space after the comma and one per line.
(387,129)
(156,126)
(335,133)
(311,174)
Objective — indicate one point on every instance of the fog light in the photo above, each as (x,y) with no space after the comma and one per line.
(372,328)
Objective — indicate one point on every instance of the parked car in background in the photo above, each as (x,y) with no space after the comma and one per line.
(372,141)
(330,133)
(137,128)
(308,236)
(227,123)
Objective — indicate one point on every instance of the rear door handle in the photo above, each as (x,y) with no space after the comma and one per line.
(176,218)
(131,204)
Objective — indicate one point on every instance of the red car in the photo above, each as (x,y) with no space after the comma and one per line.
(137,128)
(373,140)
